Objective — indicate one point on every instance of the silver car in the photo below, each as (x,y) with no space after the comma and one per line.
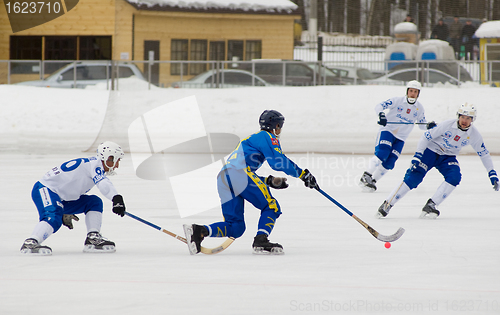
(87,73)
(222,79)
(425,76)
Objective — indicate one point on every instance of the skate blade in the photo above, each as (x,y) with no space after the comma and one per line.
(365,188)
(188,232)
(379,215)
(40,252)
(428,216)
(262,251)
(104,249)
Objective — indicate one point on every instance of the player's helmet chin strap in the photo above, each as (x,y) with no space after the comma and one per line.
(460,127)
(111,170)
(411,100)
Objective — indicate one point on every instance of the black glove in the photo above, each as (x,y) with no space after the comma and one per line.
(276,182)
(382,120)
(309,180)
(118,205)
(431,125)
(67,220)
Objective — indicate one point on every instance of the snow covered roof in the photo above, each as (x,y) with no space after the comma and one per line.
(489,29)
(244,5)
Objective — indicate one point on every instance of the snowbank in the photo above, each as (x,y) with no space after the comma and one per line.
(331,119)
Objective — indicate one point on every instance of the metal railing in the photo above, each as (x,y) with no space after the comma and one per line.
(275,72)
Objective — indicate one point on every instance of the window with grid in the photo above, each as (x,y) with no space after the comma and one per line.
(25,47)
(198,52)
(95,48)
(234,50)
(217,51)
(179,51)
(253,49)
(60,48)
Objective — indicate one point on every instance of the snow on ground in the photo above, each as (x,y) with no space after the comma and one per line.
(332,264)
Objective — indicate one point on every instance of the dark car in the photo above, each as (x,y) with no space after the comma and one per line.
(296,73)
(450,68)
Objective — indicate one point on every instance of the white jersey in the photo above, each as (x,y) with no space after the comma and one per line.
(74,178)
(399,110)
(447,139)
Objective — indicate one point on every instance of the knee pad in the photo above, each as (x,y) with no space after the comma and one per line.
(94,203)
(383,150)
(54,220)
(453,179)
(389,163)
(413,178)
(238,228)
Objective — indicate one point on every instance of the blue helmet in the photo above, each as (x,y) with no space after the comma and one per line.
(270,119)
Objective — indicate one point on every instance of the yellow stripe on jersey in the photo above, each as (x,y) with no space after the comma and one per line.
(263,188)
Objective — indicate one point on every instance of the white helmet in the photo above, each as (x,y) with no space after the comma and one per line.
(107,149)
(467,109)
(414,84)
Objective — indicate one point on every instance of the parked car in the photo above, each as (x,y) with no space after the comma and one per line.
(353,75)
(425,76)
(225,78)
(450,68)
(296,73)
(87,73)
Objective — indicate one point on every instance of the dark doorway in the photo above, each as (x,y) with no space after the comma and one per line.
(152,46)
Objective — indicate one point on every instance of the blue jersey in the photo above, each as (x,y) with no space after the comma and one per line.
(262,146)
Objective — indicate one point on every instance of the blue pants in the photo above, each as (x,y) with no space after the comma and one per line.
(388,149)
(447,165)
(236,186)
(51,208)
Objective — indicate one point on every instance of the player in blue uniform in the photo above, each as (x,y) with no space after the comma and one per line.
(237,182)
(396,125)
(61,193)
(438,148)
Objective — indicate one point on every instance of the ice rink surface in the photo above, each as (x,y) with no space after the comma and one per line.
(331,264)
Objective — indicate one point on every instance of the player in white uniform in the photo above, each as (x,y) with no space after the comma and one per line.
(438,148)
(61,193)
(402,113)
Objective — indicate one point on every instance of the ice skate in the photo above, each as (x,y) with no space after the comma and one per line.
(95,243)
(383,210)
(194,236)
(429,211)
(32,247)
(367,183)
(262,246)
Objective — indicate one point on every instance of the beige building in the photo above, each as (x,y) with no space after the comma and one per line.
(137,30)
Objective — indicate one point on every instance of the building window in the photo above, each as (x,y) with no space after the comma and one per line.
(253,49)
(26,47)
(60,48)
(235,50)
(198,52)
(179,51)
(95,48)
(217,51)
